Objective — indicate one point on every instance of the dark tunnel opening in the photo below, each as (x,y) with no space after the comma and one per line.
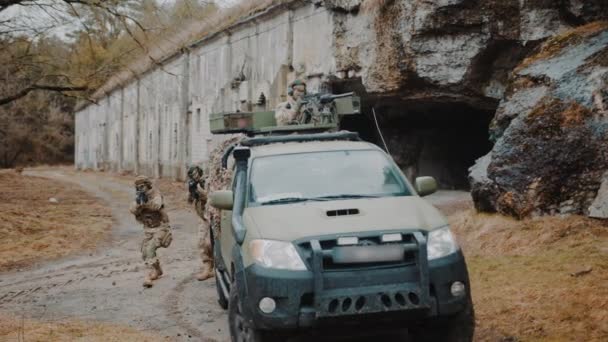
(439,138)
(428,138)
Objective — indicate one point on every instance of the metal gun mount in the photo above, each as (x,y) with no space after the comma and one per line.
(319,112)
(323,109)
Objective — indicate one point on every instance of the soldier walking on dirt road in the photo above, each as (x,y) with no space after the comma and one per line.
(149,210)
(197,195)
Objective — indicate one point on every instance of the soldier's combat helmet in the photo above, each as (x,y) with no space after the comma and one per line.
(195,171)
(295,83)
(141,180)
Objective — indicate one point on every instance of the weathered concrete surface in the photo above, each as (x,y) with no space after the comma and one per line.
(551,132)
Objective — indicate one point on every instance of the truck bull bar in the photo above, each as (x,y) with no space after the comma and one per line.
(372,299)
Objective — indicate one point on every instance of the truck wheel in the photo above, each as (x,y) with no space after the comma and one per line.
(456,328)
(221,299)
(240,329)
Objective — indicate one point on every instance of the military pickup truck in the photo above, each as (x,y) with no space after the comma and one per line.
(323,230)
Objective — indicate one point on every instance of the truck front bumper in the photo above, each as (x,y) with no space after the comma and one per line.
(368,295)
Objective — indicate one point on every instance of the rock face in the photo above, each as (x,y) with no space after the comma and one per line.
(435,71)
(551,132)
(448,50)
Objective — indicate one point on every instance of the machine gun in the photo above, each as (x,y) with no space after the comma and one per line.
(323,109)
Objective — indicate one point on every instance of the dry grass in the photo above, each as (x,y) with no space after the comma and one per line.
(15,329)
(33,229)
(556,44)
(521,275)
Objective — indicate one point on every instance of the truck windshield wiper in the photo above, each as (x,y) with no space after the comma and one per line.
(291,200)
(347,196)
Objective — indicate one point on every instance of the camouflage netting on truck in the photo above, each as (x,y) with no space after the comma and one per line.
(217,179)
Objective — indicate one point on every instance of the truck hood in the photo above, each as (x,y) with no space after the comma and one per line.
(289,222)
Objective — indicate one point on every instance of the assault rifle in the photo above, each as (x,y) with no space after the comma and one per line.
(141,197)
(192,188)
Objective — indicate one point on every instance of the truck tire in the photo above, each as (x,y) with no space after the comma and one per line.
(240,329)
(456,328)
(221,299)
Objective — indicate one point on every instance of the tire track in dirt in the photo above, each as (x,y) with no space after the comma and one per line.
(172,306)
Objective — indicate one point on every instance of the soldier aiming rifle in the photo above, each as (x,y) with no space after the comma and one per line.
(149,210)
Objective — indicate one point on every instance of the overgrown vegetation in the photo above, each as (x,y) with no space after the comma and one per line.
(54,53)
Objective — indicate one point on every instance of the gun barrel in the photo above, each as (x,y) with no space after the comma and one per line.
(337,96)
(329,97)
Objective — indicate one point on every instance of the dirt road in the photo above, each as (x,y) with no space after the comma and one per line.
(105,284)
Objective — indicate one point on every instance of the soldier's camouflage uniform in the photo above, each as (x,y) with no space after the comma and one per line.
(157,232)
(198,197)
(288,112)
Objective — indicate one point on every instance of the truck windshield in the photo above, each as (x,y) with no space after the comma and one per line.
(318,176)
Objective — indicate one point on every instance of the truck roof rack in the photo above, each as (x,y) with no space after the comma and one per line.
(319,113)
(266,140)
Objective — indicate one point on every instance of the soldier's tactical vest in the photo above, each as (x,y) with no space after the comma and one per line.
(151,218)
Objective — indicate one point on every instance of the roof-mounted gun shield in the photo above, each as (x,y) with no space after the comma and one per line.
(240,122)
(347,104)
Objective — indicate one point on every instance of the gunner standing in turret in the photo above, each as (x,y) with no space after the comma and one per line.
(288,112)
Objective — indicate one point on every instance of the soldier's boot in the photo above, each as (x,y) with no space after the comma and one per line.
(206,271)
(156,271)
(148,282)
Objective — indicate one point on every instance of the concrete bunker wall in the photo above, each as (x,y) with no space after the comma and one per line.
(158,123)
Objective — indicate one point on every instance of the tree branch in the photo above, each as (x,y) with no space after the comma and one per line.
(23,92)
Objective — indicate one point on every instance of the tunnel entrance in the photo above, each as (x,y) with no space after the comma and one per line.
(439,138)
(429,139)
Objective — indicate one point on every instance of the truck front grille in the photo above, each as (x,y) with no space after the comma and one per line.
(329,244)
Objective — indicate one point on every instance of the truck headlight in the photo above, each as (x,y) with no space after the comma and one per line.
(276,254)
(440,243)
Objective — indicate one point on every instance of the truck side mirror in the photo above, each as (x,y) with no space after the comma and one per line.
(222,199)
(426,185)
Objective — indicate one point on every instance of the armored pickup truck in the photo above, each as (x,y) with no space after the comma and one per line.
(323,230)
